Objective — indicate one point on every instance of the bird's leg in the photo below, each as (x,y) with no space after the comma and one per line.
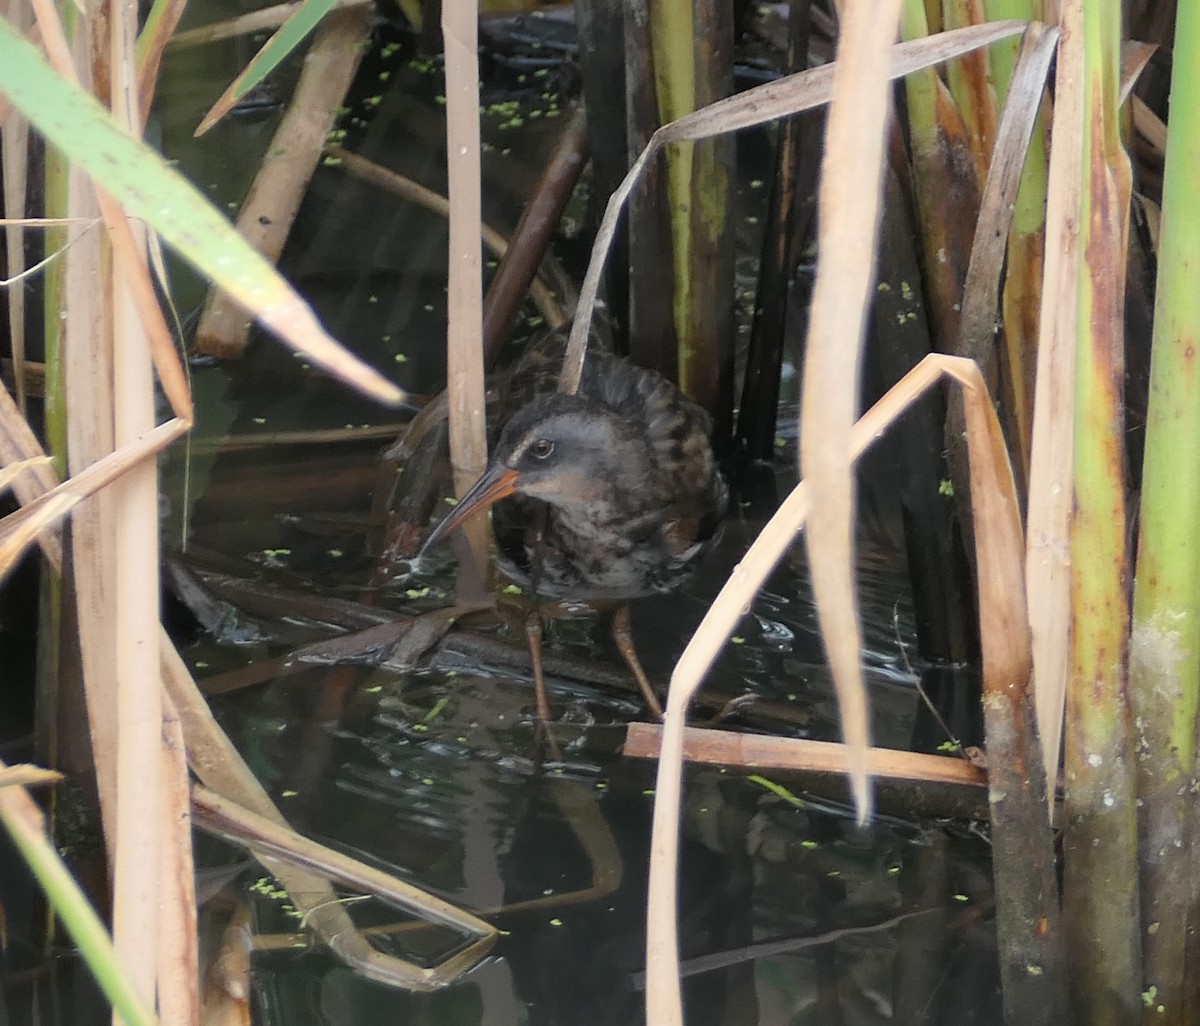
(533,617)
(533,639)
(623,636)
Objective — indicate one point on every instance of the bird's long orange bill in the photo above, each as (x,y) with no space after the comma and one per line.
(496,483)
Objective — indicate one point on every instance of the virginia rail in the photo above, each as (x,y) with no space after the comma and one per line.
(607,495)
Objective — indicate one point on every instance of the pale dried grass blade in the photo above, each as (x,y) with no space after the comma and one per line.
(790,95)
(1150,126)
(999,541)
(37,266)
(14,541)
(10,473)
(848,205)
(1047,554)
(45,510)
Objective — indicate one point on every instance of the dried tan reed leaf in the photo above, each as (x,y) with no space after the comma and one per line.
(1134,58)
(1047,556)
(87,482)
(999,543)
(145,904)
(19,443)
(848,216)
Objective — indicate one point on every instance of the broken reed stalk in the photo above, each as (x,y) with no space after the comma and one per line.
(146,915)
(1164,657)
(798,755)
(464,299)
(269,210)
(1100,824)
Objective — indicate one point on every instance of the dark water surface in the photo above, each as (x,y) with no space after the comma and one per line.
(790,914)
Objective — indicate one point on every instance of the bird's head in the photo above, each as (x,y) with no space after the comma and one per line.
(560,449)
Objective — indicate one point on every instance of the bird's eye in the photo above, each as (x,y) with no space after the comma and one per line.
(542,448)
